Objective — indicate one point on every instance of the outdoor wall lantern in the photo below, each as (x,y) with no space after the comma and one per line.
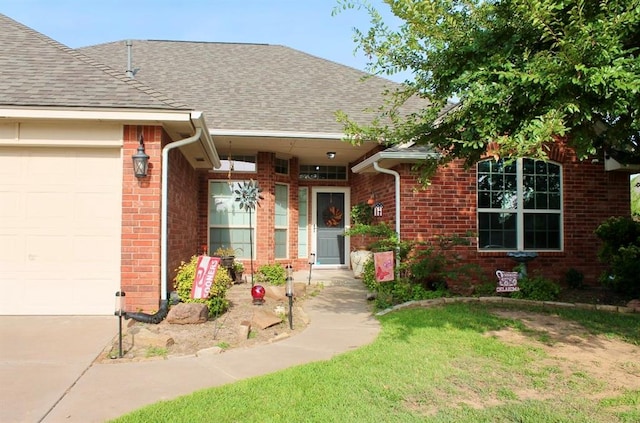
(289,293)
(120,312)
(140,161)
(331,155)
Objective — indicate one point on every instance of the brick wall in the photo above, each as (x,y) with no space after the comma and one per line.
(448,207)
(140,261)
(182,213)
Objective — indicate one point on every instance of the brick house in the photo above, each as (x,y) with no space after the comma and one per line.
(267,113)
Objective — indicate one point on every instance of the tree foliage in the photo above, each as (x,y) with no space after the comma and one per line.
(523,74)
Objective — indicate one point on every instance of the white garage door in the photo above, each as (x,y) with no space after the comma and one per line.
(60,220)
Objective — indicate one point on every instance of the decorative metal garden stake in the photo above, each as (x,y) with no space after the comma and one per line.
(289,293)
(120,312)
(312,260)
(248,195)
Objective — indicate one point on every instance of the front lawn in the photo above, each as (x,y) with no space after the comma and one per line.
(439,364)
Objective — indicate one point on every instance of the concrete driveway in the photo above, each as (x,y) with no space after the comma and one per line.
(41,357)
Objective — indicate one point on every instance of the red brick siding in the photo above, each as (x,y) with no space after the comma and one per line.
(448,207)
(140,260)
(267,178)
(183,213)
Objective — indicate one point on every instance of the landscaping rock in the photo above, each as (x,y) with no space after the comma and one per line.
(145,338)
(244,329)
(275,292)
(188,313)
(265,318)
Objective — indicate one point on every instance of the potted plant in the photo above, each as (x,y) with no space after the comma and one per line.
(227,256)
(361,219)
(238,270)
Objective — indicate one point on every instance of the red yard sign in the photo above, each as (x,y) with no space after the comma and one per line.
(206,269)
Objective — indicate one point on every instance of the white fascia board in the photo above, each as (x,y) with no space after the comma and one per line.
(405,156)
(276,134)
(142,115)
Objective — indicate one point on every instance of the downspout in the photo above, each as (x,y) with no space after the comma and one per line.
(397,179)
(164,303)
(164,211)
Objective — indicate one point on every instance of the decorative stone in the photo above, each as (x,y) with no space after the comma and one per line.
(275,292)
(188,313)
(265,318)
(244,329)
(146,338)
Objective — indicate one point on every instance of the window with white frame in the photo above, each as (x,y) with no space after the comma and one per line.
(519,205)
(228,224)
(281,217)
(282,166)
(303,219)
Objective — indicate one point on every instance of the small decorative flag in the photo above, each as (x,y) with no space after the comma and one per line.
(384,266)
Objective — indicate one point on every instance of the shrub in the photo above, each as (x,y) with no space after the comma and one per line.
(216,302)
(621,250)
(537,288)
(273,274)
(574,279)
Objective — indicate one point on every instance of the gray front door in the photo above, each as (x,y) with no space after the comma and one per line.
(330,219)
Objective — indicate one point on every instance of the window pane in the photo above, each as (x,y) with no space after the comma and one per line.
(542,231)
(497,230)
(282,166)
(282,206)
(237,239)
(303,218)
(281,243)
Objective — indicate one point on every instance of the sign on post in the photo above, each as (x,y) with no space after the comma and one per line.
(507,281)
(206,269)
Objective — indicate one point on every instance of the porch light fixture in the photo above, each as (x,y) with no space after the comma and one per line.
(140,161)
(331,155)
(120,312)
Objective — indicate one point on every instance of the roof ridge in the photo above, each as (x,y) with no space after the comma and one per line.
(147,90)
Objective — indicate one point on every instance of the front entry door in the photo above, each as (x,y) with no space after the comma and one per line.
(329,223)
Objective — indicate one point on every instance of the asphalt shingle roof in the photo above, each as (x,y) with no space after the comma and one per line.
(38,71)
(251,86)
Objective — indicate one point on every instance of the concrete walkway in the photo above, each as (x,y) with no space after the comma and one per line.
(340,321)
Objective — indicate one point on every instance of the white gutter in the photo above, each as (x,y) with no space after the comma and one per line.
(397,177)
(164,207)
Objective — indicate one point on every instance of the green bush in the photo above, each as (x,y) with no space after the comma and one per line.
(621,251)
(274,274)
(217,303)
(537,288)
(574,279)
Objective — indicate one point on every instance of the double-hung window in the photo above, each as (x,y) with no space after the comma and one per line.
(229,226)
(281,220)
(519,205)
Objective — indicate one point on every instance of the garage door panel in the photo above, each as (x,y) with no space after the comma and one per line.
(60,234)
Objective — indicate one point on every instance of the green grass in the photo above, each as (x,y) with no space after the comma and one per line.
(427,365)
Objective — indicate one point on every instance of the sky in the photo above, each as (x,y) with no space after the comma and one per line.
(306,25)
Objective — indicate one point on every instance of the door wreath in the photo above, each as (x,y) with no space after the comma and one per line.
(332,216)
